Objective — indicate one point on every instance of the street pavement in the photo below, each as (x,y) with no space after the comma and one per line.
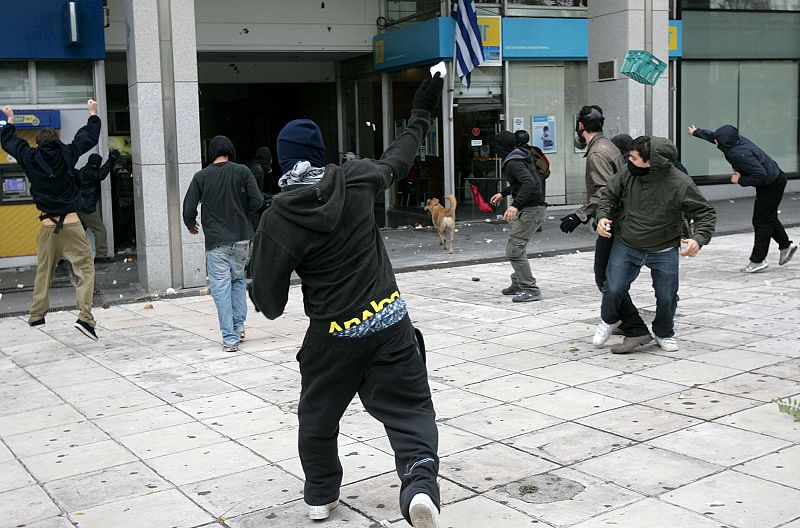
(155,426)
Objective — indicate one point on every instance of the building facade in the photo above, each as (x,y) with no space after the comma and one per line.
(171,74)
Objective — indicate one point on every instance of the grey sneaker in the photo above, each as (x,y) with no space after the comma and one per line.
(511,290)
(527,297)
(787,254)
(755,267)
(667,344)
(603,332)
(319,513)
(230,348)
(629,344)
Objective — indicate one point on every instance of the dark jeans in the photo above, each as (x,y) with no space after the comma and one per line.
(765,219)
(632,323)
(388,373)
(624,265)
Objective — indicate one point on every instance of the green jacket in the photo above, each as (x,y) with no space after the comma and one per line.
(647,210)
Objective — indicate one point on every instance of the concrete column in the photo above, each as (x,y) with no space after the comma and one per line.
(165,134)
(616,26)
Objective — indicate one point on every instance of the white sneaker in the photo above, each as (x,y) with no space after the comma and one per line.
(667,344)
(423,512)
(755,267)
(787,254)
(603,332)
(318,513)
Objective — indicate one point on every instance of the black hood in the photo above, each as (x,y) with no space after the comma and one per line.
(221,146)
(504,143)
(263,155)
(316,207)
(727,136)
(520,154)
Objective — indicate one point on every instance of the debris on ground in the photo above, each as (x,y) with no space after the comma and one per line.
(476,279)
(147,306)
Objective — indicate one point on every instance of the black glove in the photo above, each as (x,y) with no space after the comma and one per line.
(428,94)
(570,222)
(113,154)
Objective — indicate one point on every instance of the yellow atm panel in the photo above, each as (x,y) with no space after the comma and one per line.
(20,226)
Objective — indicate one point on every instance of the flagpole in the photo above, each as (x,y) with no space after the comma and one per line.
(448,141)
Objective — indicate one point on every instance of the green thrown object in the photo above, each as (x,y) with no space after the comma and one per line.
(643,67)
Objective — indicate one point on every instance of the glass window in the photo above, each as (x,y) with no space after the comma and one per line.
(743,5)
(64,82)
(760,98)
(14,82)
(558,90)
(551,3)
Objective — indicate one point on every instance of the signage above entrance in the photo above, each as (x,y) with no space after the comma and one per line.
(37,119)
(503,39)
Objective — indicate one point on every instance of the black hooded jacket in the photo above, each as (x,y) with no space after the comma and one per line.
(757,169)
(327,233)
(50,167)
(89,178)
(524,188)
(228,193)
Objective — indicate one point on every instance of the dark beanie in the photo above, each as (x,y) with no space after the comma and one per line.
(94,160)
(300,140)
(504,143)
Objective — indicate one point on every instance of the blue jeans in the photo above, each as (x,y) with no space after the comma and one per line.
(225,266)
(624,265)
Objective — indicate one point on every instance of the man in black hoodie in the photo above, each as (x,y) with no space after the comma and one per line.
(49,168)
(360,339)
(89,178)
(752,167)
(526,212)
(229,194)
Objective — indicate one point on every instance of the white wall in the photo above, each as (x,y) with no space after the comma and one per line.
(274,25)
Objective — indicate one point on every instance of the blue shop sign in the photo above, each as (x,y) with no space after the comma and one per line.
(523,39)
(37,119)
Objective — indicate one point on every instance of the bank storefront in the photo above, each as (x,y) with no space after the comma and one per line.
(535,80)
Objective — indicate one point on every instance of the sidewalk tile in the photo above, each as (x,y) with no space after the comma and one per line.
(503,421)
(649,513)
(107,485)
(633,387)
(25,505)
(167,509)
(701,403)
(638,422)
(204,463)
(152,444)
(568,443)
(782,467)
(571,403)
(765,419)
(13,424)
(55,439)
(740,500)
(76,460)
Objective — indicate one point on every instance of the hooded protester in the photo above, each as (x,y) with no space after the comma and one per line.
(623,142)
(50,171)
(360,339)
(527,212)
(645,204)
(89,178)
(754,168)
(229,194)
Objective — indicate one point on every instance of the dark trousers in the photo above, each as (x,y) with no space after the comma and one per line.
(624,265)
(388,373)
(632,323)
(765,219)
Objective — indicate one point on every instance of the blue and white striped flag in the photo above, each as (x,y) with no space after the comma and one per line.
(469,47)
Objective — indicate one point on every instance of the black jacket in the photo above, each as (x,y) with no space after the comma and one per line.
(524,188)
(327,233)
(89,178)
(755,166)
(50,167)
(228,193)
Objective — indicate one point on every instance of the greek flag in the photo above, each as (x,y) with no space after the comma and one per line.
(469,47)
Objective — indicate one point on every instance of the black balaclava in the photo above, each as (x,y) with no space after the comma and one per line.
(94,161)
(504,143)
(636,170)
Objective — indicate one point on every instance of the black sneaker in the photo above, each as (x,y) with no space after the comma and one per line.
(511,290)
(86,329)
(38,322)
(528,297)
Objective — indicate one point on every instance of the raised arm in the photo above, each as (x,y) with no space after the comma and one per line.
(86,137)
(11,143)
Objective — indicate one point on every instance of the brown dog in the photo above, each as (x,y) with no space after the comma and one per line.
(444,219)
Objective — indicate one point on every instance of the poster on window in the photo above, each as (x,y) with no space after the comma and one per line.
(544,133)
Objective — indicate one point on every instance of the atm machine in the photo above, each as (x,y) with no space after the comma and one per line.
(19,217)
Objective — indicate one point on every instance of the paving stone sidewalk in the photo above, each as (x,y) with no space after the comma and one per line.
(155,426)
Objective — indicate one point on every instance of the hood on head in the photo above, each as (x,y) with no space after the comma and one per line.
(663,153)
(300,140)
(623,142)
(504,143)
(726,136)
(95,160)
(263,155)
(221,146)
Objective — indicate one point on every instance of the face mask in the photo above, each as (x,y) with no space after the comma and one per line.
(637,171)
